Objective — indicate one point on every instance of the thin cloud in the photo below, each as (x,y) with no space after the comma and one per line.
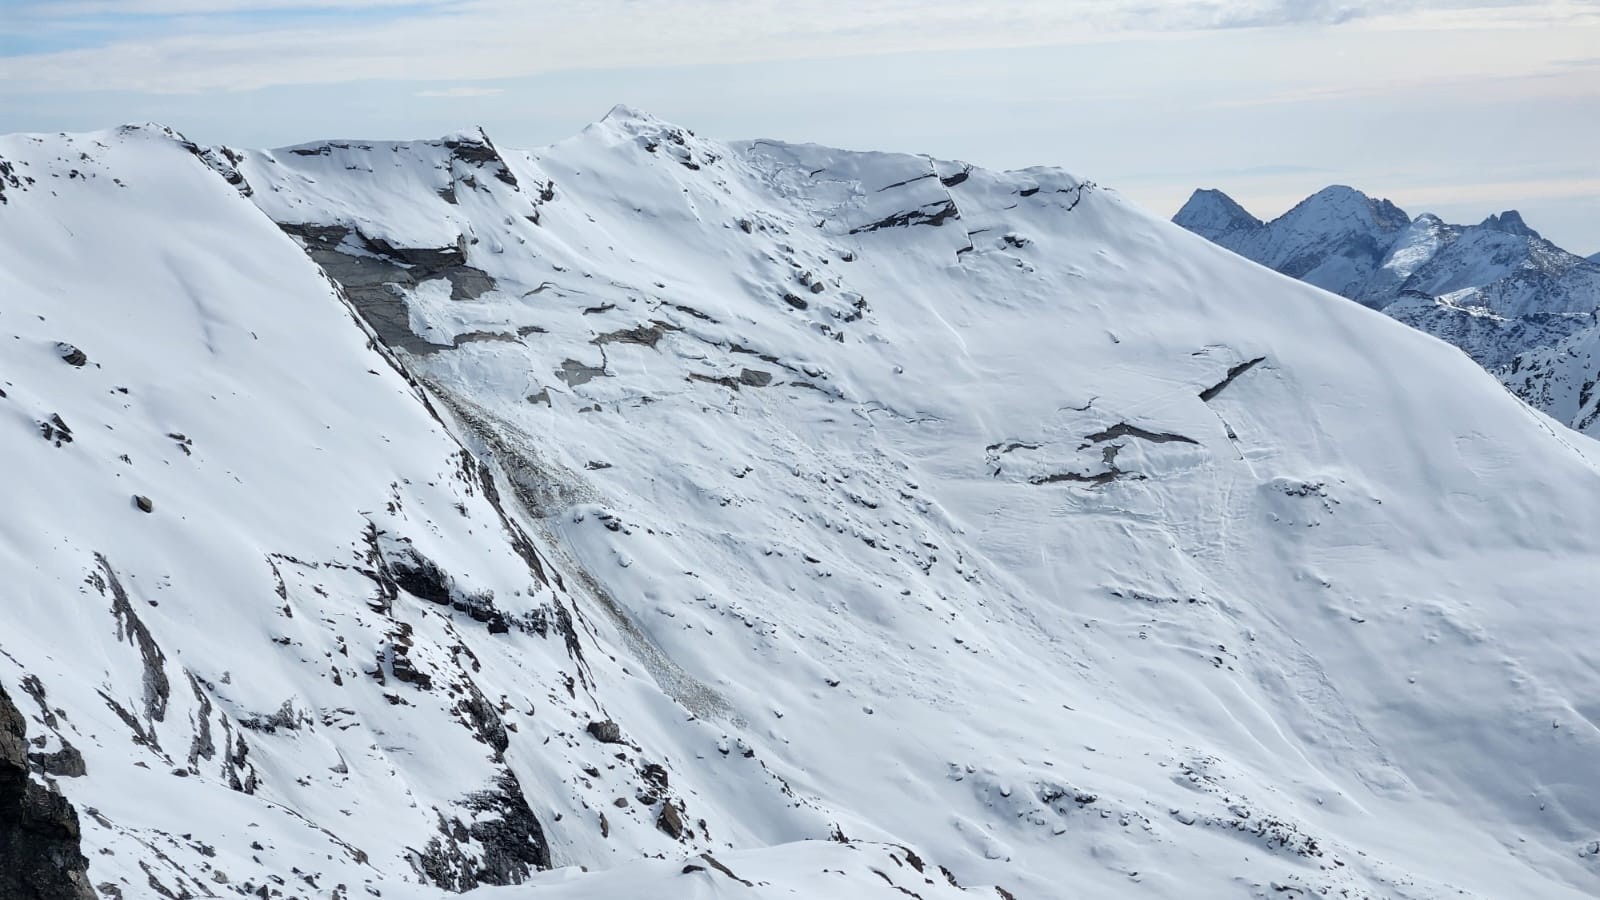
(291,44)
(459,93)
(63,9)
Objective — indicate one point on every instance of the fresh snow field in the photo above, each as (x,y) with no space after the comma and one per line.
(712,519)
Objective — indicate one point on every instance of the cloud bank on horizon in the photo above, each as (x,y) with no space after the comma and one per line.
(1264,98)
(185,46)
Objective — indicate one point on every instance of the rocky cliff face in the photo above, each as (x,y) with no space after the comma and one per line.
(40,853)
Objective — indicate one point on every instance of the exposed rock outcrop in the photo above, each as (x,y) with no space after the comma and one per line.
(40,856)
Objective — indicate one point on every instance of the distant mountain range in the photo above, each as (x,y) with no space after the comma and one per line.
(1512,300)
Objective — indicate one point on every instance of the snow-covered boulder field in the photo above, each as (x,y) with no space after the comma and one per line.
(649,515)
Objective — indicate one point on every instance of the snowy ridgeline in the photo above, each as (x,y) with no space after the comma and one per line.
(1525,309)
(759,520)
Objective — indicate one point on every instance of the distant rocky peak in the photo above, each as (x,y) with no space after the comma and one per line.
(1509,222)
(1210,212)
(1341,206)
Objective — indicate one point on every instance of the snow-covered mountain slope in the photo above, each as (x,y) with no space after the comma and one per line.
(325,654)
(974,520)
(1497,289)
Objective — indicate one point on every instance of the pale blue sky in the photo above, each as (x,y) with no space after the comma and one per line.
(1460,107)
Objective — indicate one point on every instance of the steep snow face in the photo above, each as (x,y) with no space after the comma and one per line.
(1496,289)
(1412,249)
(275,628)
(1000,519)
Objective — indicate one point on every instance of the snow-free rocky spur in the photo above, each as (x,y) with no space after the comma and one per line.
(1525,309)
(649,515)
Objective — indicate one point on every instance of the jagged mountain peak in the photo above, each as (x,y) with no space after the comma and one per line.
(1509,222)
(1211,212)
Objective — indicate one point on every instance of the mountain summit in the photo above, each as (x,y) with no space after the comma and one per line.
(1509,222)
(1212,214)
(654,515)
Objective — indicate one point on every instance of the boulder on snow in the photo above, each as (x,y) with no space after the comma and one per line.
(606,732)
(64,763)
(144,503)
(670,820)
(71,355)
(56,430)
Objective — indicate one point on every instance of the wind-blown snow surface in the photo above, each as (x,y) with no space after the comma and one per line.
(976,514)
(1498,290)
